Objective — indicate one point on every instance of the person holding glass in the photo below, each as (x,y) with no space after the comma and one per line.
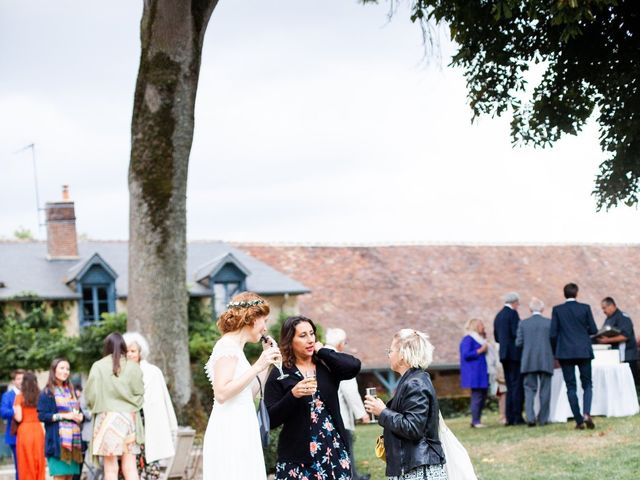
(59,410)
(411,420)
(313,440)
(232,448)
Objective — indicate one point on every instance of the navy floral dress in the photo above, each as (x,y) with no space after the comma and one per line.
(328,452)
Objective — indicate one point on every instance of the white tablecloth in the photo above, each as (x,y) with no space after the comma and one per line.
(614,393)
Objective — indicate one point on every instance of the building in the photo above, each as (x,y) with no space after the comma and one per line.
(370,291)
(91,277)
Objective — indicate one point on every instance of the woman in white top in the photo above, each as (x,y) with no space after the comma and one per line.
(232,449)
(160,418)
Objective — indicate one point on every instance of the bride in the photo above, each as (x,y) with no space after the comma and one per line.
(232,448)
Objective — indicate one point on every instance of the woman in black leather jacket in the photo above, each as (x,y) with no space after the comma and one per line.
(410,421)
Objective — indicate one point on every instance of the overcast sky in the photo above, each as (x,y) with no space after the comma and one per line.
(316,121)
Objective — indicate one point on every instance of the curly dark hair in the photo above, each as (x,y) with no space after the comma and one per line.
(287,332)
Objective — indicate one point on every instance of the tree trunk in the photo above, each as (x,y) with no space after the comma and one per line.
(172,34)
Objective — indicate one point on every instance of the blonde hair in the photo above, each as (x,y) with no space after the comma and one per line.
(472,325)
(414,347)
(243,309)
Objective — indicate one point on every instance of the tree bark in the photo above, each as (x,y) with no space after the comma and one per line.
(172,34)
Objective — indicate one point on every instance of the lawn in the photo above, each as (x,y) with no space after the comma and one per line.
(557,451)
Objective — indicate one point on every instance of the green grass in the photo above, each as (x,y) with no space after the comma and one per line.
(556,451)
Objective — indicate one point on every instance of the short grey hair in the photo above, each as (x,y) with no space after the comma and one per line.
(536,305)
(414,347)
(136,338)
(511,297)
(335,336)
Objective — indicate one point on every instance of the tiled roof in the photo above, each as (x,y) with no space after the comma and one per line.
(25,268)
(371,292)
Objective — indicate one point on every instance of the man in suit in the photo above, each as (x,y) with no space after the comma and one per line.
(505,331)
(571,326)
(537,362)
(626,341)
(6,411)
(351,406)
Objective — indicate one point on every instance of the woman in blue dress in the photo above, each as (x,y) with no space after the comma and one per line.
(312,441)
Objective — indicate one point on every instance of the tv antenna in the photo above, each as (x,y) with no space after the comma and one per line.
(32,147)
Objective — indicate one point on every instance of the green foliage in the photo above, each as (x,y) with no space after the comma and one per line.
(23,234)
(91,340)
(588,52)
(33,334)
(203,333)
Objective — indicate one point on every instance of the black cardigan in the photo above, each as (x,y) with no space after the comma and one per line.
(293,413)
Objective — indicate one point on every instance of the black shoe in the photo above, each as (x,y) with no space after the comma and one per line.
(589,422)
(531,424)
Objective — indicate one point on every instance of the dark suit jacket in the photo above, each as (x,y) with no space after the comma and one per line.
(505,330)
(571,325)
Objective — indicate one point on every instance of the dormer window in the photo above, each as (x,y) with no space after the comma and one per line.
(95,302)
(223,292)
(224,276)
(95,282)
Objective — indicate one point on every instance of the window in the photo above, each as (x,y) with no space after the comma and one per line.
(95,302)
(222,294)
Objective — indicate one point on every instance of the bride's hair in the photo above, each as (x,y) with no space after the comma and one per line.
(243,309)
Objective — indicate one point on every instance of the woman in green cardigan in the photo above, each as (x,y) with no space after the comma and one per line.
(114,394)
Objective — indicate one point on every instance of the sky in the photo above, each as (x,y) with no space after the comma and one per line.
(317,121)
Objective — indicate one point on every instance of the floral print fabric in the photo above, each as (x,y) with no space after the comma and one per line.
(330,459)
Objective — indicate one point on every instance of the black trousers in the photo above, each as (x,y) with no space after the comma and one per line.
(354,473)
(515,392)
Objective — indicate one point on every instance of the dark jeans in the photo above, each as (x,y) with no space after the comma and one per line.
(478,398)
(569,375)
(515,392)
(633,365)
(15,458)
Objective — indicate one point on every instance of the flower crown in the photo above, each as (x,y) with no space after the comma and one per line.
(244,304)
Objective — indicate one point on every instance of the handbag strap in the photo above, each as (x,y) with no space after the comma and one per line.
(260,383)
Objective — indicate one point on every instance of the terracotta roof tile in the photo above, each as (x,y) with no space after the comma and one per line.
(371,292)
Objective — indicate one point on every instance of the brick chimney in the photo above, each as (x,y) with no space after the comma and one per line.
(62,241)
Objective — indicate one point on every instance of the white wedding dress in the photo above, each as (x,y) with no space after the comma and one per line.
(232,449)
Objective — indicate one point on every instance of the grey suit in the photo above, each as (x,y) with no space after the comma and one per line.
(536,365)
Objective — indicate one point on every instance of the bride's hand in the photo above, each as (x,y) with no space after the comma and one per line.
(268,357)
(268,343)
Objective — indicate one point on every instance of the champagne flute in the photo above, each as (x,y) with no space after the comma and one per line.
(277,363)
(373,392)
(311,375)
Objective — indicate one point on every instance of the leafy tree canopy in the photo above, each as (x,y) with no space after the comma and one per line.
(589,51)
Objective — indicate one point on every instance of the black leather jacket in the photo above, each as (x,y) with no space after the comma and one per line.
(410,424)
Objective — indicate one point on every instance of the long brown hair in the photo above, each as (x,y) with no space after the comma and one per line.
(52,382)
(287,332)
(115,346)
(30,390)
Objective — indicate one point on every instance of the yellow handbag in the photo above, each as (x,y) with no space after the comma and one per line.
(380,452)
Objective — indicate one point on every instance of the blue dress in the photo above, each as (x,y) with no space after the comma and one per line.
(328,451)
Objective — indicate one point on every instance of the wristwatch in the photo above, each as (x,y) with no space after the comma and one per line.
(56,417)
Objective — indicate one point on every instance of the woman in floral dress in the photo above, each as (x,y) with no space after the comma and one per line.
(312,441)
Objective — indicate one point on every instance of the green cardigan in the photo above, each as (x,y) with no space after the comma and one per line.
(104,392)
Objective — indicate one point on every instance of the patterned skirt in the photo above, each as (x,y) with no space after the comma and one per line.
(330,458)
(114,433)
(425,472)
